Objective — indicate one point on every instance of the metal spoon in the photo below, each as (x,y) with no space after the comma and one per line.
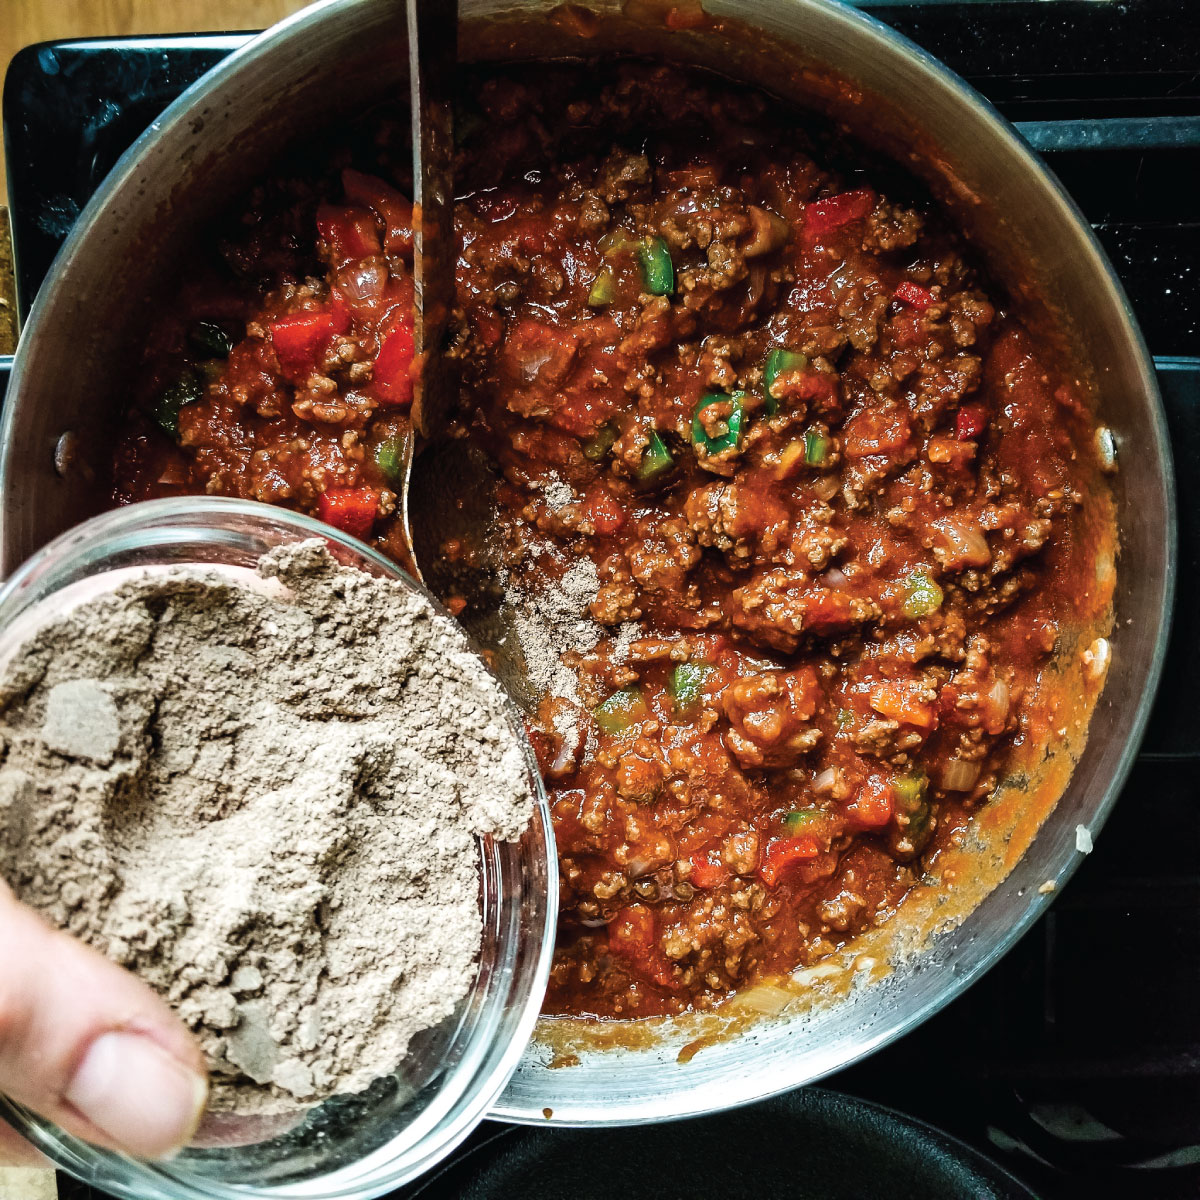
(448,484)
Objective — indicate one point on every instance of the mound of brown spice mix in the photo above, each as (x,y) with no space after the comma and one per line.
(264,800)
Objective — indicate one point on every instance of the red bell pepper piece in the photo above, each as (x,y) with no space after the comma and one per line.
(393,381)
(300,336)
(873,805)
(914,295)
(971,421)
(351,510)
(707,872)
(339,312)
(784,854)
(632,935)
(393,209)
(835,211)
(350,233)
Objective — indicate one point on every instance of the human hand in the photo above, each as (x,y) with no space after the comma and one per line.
(88,1046)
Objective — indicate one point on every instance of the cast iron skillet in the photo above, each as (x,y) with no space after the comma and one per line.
(811,1144)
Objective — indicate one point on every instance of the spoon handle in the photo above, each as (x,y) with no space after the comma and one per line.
(432,62)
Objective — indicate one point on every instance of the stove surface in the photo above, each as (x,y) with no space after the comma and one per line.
(1076,1062)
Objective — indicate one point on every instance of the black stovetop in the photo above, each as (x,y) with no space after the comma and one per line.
(1076,1062)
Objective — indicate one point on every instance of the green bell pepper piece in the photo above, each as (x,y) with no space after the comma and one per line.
(389,458)
(778,361)
(910,789)
(687,683)
(604,288)
(209,338)
(601,442)
(816,448)
(187,389)
(732,424)
(658,272)
(922,594)
(802,820)
(656,459)
(621,710)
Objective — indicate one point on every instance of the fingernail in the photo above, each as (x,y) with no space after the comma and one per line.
(133,1091)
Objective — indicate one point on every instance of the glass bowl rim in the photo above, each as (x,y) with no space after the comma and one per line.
(122,529)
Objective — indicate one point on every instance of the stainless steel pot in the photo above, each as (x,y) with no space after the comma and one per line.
(340,55)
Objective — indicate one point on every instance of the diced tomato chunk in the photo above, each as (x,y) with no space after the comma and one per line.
(350,233)
(907,328)
(393,381)
(393,209)
(873,805)
(632,935)
(813,387)
(971,421)
(351,510)
(707,870)
(876,431)
(914,295)
(602,510)
(299,337)
(826,610)
(783,854)
(835,211)
(488,326)
(903,700)
(685,16)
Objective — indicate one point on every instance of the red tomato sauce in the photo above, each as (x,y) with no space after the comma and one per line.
(829,485)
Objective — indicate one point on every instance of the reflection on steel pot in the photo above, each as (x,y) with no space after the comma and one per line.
(336,58)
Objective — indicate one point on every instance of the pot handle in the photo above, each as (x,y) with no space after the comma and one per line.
(1173,732)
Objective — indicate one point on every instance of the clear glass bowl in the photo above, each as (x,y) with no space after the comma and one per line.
(349,1147)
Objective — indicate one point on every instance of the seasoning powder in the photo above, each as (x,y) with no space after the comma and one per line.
(264,801)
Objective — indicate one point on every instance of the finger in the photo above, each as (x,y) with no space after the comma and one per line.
(87,1045)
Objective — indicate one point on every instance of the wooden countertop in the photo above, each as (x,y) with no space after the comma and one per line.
(8,292)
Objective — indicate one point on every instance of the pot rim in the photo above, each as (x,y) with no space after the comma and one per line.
(740,1088)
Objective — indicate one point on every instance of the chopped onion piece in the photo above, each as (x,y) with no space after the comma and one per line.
(1096,658)
(638,866)
(1083,839)
(363,281)
(1106,448)
(826,487)
(174,472)
(963,541)
(996,704)
(765,998)
(823,970)
(959,775)
(565,759)
(825,781)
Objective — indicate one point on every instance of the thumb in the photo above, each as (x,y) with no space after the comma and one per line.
(88,1046)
